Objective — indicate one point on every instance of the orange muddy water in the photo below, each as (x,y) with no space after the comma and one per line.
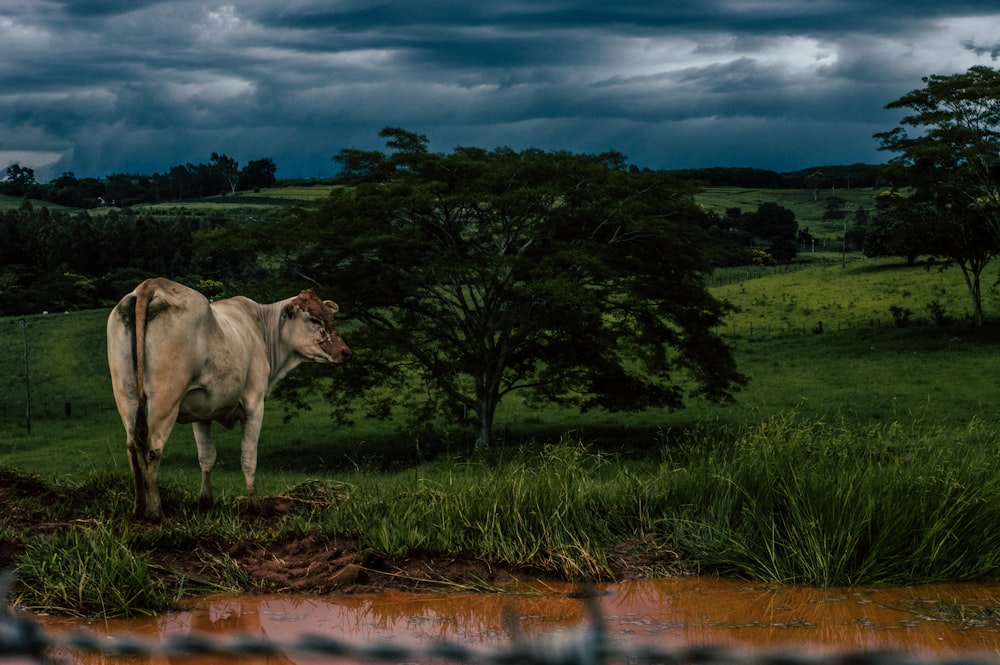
(938,620)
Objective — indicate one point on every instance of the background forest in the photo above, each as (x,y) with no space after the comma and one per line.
(76,244)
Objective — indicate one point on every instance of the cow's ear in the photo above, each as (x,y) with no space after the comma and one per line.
(332,305)
(289,311)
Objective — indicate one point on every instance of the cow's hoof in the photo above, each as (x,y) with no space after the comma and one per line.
(249,505)
(205,503)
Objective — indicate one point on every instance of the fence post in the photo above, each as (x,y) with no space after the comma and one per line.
(27,383)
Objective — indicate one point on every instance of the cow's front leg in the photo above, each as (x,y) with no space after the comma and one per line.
(248,453)
(206,460)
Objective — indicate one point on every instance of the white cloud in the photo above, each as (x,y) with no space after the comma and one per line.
(38,160)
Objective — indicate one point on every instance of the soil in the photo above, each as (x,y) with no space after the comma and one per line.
(308,563)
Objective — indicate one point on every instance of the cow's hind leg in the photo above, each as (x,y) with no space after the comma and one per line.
(161,422)
(137,465)
(150,463)
(206,459)
(145,464)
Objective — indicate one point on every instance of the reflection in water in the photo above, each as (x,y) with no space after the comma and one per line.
(939,620)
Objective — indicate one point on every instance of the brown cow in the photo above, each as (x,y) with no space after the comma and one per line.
(176,358)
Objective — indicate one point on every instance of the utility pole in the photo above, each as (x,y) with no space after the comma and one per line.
(27,383)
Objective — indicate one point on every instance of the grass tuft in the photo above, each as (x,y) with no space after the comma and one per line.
(88,571)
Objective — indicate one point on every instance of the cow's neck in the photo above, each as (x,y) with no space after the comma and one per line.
(280,358)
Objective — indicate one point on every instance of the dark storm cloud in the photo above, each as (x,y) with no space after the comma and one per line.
(139,86)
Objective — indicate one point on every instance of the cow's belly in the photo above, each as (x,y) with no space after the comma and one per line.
(198,406)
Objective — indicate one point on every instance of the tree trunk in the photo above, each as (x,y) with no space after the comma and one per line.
(977,301)
(972,281)
(485,412)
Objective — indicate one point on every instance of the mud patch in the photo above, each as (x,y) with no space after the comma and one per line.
(308,563)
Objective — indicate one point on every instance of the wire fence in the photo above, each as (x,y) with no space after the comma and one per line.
(24,640)
(819,326)
(15,408)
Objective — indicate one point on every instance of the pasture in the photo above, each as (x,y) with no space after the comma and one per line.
(863,450)
(864,365)
(809,206)
(15,202)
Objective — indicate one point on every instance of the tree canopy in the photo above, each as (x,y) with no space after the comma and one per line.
(478,273)
(952,167)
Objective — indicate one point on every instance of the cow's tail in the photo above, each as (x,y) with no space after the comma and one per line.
(141,423)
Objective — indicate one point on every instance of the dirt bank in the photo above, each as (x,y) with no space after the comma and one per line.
(308,563)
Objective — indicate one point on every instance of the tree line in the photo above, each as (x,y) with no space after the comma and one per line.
(52,260)
(817,177)
(221,175)
(64,260)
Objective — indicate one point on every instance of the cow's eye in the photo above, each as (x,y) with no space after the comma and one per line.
(316,322)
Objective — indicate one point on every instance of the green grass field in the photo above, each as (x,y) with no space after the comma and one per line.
(863,449)
(861,366)
(15,202)
(241,204)
(808,206)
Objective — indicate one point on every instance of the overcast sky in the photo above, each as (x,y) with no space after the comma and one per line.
(137,86)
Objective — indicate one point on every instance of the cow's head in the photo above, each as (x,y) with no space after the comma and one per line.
(313,333)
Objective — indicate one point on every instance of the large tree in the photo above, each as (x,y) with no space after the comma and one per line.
(952,166)
(479,273)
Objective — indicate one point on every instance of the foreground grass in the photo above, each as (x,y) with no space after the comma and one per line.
(788,500)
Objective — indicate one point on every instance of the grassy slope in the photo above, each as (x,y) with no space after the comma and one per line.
(243,203)
(15,202)
(807,205)
(852,369)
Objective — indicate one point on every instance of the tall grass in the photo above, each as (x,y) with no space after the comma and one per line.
(837,504)
(541,509)
(88,570)
(786,500)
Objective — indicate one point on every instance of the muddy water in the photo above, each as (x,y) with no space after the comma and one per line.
(941,620)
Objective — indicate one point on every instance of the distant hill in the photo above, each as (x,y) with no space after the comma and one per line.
(824,177)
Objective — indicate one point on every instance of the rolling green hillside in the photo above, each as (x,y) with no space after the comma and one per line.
(15,202)
(859,294)
(807,205)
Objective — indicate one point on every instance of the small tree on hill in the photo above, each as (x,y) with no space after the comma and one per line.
(19,180)
(479,273)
